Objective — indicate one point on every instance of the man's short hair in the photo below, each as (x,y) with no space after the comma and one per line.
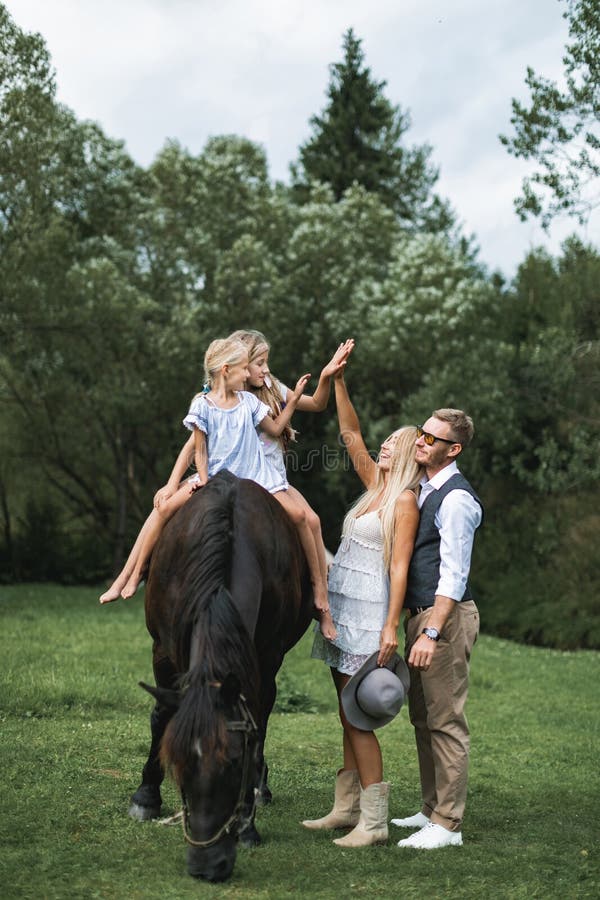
(460,424)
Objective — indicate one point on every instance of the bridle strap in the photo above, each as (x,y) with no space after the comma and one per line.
(248,726)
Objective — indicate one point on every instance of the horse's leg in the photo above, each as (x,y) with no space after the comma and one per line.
(264,796)
(268,694)
(147,801)
(248,836)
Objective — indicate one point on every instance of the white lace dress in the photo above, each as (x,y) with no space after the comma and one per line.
(359,591)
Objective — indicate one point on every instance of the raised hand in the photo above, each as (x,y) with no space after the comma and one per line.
(300,386)
(337,363)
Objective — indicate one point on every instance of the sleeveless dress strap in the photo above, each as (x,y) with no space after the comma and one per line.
(347,536)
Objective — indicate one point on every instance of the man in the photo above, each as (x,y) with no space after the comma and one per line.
(441,627)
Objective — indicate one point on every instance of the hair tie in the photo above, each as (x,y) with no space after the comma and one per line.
(206,388)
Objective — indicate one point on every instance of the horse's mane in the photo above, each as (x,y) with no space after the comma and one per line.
(206,617)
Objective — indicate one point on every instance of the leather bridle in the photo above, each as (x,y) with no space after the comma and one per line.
(247,725)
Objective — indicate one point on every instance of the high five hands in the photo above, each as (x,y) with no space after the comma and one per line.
(335,367)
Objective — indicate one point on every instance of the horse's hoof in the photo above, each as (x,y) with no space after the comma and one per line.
(264,797)
(145,803)
(143,813)
(249,837)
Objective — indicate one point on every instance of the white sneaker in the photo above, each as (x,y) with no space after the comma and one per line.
(416,821)
(432,836)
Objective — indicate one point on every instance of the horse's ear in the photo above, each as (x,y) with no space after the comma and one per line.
(163,696)
(230,689)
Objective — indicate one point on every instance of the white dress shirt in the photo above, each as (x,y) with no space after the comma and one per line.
(457,517)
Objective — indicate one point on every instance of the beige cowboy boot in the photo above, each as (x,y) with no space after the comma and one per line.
(346,809)
(372,825)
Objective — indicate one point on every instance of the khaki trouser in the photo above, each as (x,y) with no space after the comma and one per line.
(436,703)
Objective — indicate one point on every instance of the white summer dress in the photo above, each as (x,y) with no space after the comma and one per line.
(359,593)
(272,446)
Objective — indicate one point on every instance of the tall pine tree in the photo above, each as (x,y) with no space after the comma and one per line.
(359,138)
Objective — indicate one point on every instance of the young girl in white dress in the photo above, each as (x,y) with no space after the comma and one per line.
(275,395)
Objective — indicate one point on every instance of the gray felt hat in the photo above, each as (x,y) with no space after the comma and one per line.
(375,694)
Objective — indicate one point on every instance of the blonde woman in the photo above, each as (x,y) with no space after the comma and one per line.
(367,584)
(224,422)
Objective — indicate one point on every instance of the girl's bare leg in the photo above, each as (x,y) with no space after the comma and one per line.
(122,578)
(312,520)
(362,746)
(153,526)
(315,526)
(318,572)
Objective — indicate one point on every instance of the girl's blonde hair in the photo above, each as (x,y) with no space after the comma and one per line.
(222,352)
(255,341)
(404,474)
(257,345)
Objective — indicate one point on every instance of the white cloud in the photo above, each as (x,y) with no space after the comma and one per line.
(149,70)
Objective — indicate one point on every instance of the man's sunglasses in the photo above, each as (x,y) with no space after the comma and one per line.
(430,439)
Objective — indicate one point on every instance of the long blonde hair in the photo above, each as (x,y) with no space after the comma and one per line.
(270,393)
(404,474)
(222,352)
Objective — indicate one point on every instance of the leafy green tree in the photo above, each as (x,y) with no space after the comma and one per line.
(113,282)
(76,323)
(73,313)
(579,285)
(27,114)
(559,129)
(530,380)
(359,138)
(211,205)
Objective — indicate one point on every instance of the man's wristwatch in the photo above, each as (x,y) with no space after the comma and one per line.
(432,633)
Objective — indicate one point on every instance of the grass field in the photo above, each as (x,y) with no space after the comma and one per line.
(74,736)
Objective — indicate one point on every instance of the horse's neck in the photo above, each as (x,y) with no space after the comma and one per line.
(246,586)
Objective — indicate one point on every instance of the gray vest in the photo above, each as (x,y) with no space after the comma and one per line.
(424,569)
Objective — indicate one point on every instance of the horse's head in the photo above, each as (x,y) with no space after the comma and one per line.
(210,747)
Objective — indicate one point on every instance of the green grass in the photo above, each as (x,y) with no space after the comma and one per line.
(74,736)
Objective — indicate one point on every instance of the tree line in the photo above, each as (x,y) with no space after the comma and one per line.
(114,278)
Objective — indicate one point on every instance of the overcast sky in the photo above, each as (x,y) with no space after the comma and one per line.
(150,70)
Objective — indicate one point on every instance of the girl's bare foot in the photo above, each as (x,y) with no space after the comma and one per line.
(322,614)
(327,627)
(131,586)
(114,591)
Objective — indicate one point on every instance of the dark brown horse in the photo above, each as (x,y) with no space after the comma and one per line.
(228,594)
